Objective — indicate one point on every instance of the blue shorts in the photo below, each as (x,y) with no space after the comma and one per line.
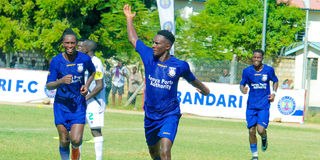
(163,128)
(257,116)
(68,118)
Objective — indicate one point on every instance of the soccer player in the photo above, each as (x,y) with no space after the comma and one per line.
(66,74)
(162,72)
(96,100)
(258,77)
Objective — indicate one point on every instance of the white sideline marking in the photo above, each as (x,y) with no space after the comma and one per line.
(44,129)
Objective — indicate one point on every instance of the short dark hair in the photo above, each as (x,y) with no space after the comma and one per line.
(68,31)
(258,51)
(168,35)
(91,45)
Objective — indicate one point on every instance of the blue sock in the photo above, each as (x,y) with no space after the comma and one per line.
(64,153)
(254,149)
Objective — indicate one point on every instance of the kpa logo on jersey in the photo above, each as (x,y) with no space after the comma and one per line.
(80,67)
(165,4)
(172,71)
(264,77)
(168,26)
(50,93)
(286,105)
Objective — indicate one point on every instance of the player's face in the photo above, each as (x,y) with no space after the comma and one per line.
(160,45)
(80,46)
(257,59)
(69,43)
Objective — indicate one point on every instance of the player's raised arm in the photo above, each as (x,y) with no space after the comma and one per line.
(132,34)
(203,89)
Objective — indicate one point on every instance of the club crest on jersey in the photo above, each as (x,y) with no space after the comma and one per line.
(172,71)
(80,67)
(264,77)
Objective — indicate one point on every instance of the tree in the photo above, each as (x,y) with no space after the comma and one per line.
(227,27)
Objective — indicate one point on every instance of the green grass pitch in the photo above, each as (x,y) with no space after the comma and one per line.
(26,133)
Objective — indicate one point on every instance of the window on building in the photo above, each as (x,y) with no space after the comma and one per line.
(313,63)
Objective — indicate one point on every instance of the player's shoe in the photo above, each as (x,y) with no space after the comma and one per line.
(254,158)
(75,154)
(264,144)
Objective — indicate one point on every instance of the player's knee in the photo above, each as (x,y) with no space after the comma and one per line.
(76,142)
(154,152)
(252,132)
(165,153)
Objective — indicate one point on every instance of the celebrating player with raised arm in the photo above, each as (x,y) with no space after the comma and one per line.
(258,77)
(66,74)
(162,73)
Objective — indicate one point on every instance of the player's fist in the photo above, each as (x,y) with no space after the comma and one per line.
(271,97)
(83,90)
(245,90)
(66,79)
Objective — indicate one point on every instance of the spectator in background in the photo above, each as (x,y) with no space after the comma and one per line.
(134,82)
(107,81)
(13,62)
(225,78)
(33,65)
(119,72)
(285,84)
(21,64)
(46,65)
(3,61)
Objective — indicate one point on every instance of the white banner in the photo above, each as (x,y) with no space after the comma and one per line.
(227,101)
(19,85)
(166,16)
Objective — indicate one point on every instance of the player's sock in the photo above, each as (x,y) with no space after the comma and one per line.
(157,158)
(254,150)
(75,153)
(264,143)
(98,146)
(64,153)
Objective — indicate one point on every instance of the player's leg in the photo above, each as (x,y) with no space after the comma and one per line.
(76,134)
(166,145)
(98,142)
(121,91)
(263,122)
(114,91)
(64,142)
(154,151)
(251,117)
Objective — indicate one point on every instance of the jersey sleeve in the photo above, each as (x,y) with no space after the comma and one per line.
(273,76)
(144,51)
(90,66)
(99,69)
(186,72)
(53,71)
(244,80)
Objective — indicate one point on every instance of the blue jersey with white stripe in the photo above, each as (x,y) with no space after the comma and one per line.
(69,94)
(259,83)
(161,80)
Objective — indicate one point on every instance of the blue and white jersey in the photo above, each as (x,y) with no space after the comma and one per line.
(259,83)
(162,83)
(69,94)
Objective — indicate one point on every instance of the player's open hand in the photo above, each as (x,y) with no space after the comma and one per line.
(66,79)
(127,11)
(245,90)
(271,97)
(83,90)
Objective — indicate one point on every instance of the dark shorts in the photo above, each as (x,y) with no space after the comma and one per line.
(68,118)
(117,89)
(164,128)
(257,116)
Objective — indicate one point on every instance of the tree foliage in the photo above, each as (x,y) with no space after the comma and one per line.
(227,27)
(37,25)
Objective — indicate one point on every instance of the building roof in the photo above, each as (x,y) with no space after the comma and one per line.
(315,45)
(314,4)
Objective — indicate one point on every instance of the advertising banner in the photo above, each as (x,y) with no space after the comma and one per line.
(226,100)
